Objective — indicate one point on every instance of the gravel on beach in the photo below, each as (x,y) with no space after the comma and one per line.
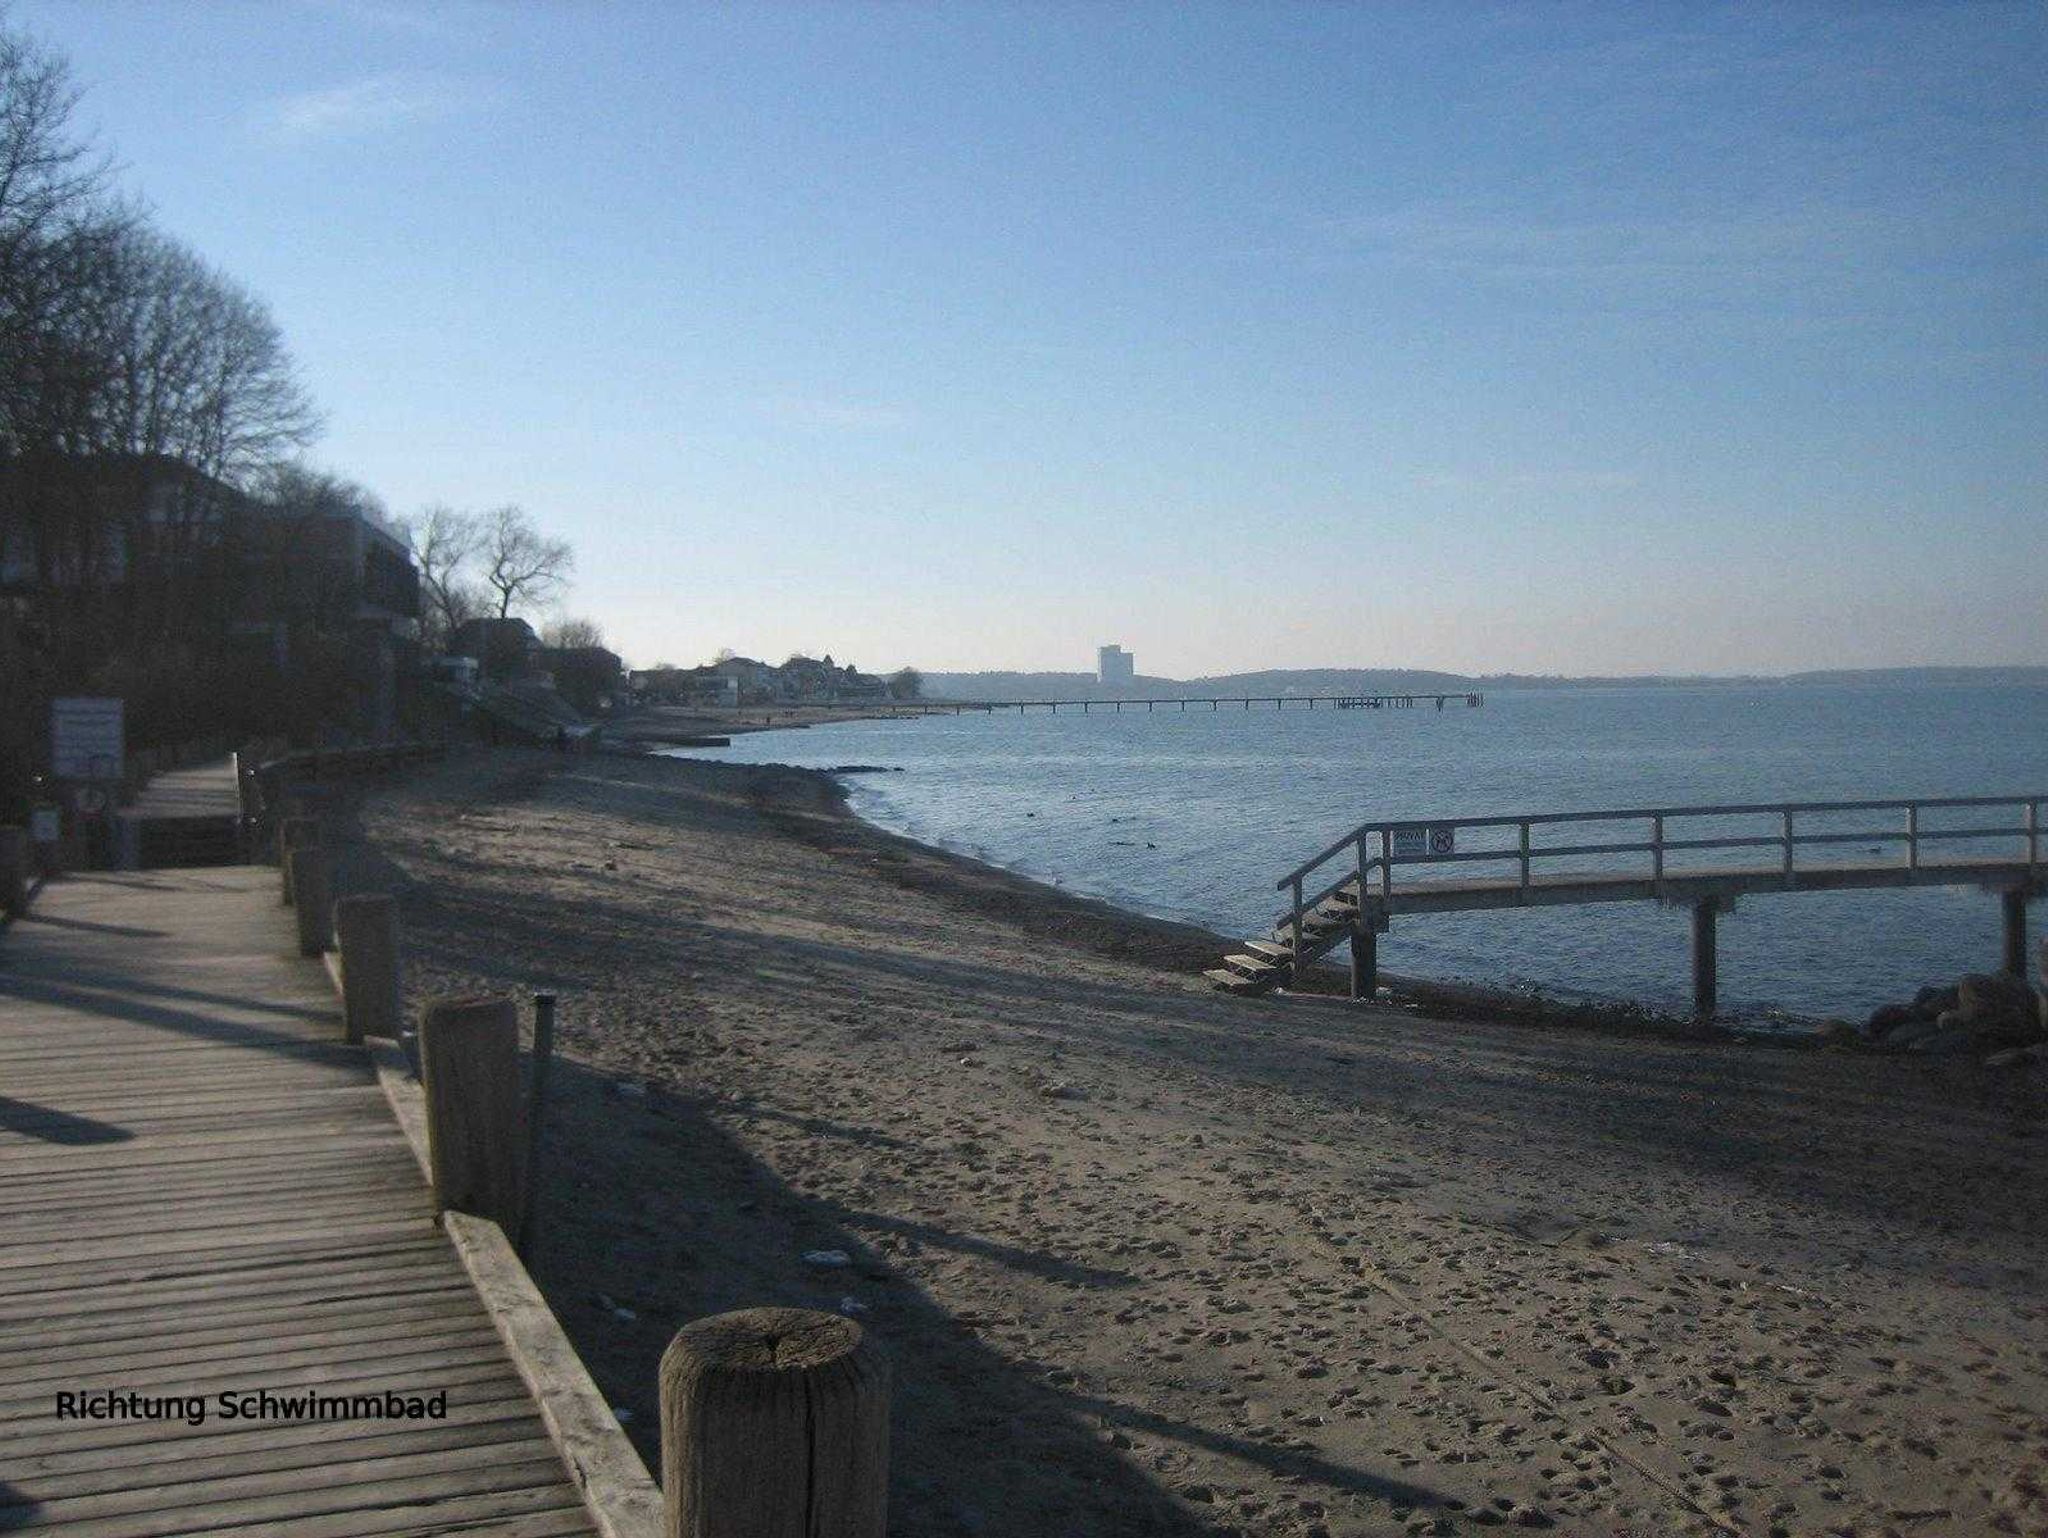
(1148,1259)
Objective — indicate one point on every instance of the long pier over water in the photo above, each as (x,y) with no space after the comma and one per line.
(1197,701)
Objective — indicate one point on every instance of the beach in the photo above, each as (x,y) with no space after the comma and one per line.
(1148,1259)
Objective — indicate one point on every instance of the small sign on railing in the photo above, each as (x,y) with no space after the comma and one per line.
(1421,843)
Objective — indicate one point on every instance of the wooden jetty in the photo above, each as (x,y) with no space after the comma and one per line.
(204,1192)
(1928,842)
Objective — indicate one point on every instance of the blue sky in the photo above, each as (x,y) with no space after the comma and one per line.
(1581,338)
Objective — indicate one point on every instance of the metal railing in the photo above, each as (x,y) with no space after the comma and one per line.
(1380,846)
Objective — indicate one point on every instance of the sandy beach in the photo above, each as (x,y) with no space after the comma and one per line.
(1148,1259)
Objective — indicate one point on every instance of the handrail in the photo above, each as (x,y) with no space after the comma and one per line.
(1788,839)
(1750,809)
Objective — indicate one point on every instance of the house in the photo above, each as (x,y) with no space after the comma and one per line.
(585,676)
(505,649)
(143,557)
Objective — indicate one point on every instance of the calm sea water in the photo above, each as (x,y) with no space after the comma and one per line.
(1194,816)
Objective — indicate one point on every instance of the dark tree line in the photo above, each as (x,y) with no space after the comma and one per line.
(114,337)
(147,404)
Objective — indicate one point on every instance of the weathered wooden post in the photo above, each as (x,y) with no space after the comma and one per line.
(310,869)
(774,1424)
(469,1068)
(1703,980)
(366,934)
(15,857)
(2014,902)
(293,833)
(1365,957)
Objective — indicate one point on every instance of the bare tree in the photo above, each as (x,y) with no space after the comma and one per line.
(444,546)
(522,566)
(567,633)
(49,180)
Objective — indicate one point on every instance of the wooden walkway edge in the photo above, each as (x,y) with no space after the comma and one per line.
(205,1195)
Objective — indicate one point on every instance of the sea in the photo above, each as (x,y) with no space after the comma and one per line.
(1195,815)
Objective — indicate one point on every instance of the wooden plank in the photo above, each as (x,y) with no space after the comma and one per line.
(83,1256)
(515,1426)
(338,1204)
(301,1501)
(156,1287)
(329,1492)
(340,1320)
(497,1513)
(435,1290)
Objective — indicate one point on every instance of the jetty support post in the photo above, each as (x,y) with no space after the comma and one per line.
(775,1424)
(1704,913)
(310,871)
(14,870)
(469,1070)
(366,934)
(2014,901)
(1365,959)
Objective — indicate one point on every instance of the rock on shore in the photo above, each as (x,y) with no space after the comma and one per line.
(1985,1012)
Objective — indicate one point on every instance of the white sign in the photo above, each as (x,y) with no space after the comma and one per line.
(43,825)
(85,739)
(1421,843)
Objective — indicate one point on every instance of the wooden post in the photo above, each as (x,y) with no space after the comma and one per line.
(293,833)
(366,934)
(1365,958)
(2015,904)
(774,1424)
(311,871)
(469,1068)
(536,1117)
(1703,913)
(15,857)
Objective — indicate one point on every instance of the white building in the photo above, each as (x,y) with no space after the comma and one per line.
(1114,665)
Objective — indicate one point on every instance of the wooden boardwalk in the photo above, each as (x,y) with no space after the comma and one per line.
(203,1192)
(206,790)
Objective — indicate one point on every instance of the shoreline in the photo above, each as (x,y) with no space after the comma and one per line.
(1173,943)
(1157,1261)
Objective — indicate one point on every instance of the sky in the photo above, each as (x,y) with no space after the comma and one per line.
(1563,338)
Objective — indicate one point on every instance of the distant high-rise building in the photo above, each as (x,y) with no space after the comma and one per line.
(1114,665)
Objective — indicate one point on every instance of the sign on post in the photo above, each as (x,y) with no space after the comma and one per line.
(86,739)
(1421,843)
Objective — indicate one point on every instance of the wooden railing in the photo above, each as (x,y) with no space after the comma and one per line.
(1378,847)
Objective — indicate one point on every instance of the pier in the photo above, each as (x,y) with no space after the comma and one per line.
(207,1193)
(1700,857)
(1241,701)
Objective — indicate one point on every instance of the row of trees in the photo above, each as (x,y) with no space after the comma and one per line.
(159,537)
(114,337)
